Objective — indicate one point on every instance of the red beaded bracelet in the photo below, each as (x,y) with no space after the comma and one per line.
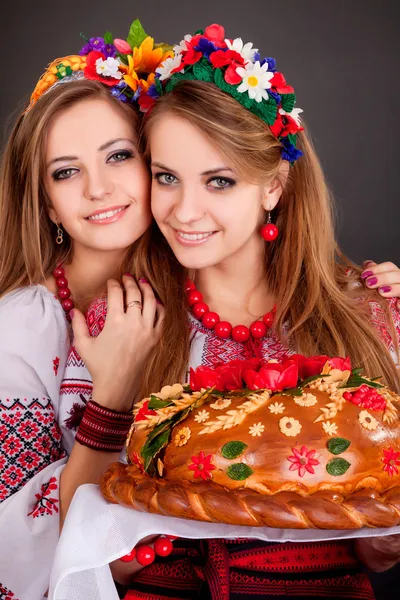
(103,428)
(145,554)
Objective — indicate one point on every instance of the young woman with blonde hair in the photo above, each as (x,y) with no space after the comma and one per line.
(239,195)
(75,213)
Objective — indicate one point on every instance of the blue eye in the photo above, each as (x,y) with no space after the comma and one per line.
(165,178)
(221,183)
(120,156)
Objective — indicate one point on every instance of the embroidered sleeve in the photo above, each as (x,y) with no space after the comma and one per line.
(33,348)
(389,332)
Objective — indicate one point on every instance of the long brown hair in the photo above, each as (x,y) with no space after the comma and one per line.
(28,252)
(305,270)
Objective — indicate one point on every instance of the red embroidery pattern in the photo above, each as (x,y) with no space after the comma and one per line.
(6,594)
(45,502)
(380,323)
(30,439)
(96,316)
(56,364)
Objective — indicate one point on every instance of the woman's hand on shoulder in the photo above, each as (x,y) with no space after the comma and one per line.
(384,277)
(116,357)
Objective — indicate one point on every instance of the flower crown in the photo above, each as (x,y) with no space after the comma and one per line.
(237,69)
(127,67)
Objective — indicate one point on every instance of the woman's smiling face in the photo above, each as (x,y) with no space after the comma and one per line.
(206,211)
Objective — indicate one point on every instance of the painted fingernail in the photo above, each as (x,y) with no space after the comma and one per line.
(158,301)
(143,280)
(366,274)
(128,274)
(371,281)
(367,262)
(385,289)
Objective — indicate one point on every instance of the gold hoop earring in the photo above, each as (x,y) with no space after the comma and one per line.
(60,235)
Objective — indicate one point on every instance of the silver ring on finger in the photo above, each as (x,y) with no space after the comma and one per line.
(136,304)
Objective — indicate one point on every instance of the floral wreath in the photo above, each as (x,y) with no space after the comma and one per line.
(126,66)
(237,69)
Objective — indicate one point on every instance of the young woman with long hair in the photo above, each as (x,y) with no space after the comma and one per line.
(239,196)
(75,214)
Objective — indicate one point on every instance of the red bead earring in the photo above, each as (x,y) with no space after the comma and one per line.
(269,231)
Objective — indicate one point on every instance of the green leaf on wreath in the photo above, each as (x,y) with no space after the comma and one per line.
(239,471)
(108,37)
(292,139)
(176,79)
(337,466)
(164,47)
(203,71)
(233,449)
(123,58)
(288,101)
(156,403)
(199,32)
(159,86)
(266,110)
(338,445)
(136,34)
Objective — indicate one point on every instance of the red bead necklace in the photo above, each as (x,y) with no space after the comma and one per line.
(224,329)
(145,554)
(63,291)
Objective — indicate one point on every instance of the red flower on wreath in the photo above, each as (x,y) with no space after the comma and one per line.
(303,460)
(45,503)
(391,460)
(144,411)
(202,466)
(223,58)
(226,377)
(90,71)
(313,365)
(279,83)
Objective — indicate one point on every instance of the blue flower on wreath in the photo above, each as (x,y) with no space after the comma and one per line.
(206,47)
(290,152)
(271,63)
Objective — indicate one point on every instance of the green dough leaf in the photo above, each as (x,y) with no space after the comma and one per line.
(233,449)
(136,34)
(108,37)
(355,381)
(291,392)
(338,445)
(308,380)
(239,471)
(337,466)
(156,403)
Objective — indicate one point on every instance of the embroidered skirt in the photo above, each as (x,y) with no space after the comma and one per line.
(252,570)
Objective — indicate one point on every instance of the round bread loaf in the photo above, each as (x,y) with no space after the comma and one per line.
(316,455)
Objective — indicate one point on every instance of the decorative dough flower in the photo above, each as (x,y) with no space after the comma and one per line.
(289,426)
(255,80)
(182,437)
(391,460)
(221,403)
(306,400)
(329,428)
(303,460)
(257,429)
(202,416)
(170,392)
(367,420)
(277,408)
(202,466)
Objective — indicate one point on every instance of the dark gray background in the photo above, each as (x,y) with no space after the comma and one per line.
(341,56)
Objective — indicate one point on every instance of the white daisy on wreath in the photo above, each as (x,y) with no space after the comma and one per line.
(202,416)
(257,429)
(169,65)
(255,80)
(108,67)
(246,51)
(182,46)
